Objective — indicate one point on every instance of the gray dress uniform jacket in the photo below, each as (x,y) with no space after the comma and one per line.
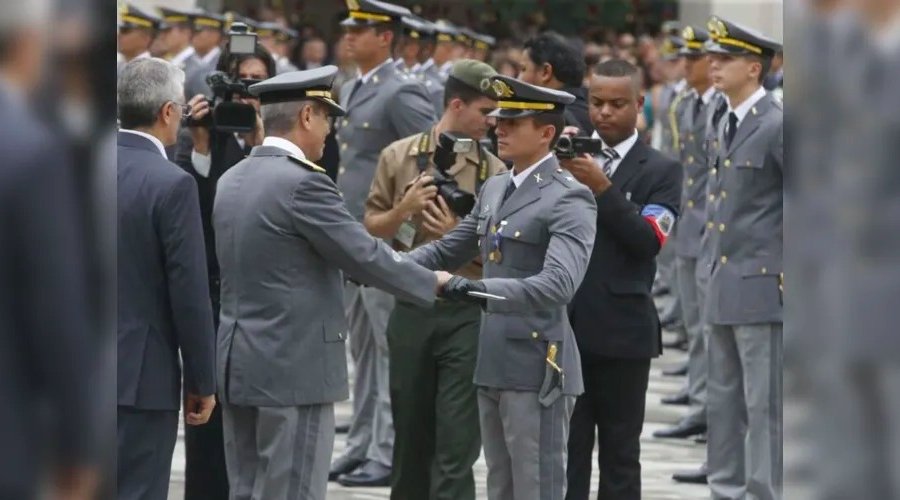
(548,227)
(745,220)
(390,106)
(434,85)
(694,158)
(283,237)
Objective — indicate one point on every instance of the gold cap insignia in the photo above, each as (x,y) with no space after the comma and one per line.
(687,33)
(502,89)
(352,4)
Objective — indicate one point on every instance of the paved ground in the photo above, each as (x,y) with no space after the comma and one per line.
(660,458)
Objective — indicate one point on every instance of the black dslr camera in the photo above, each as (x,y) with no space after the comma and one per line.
(448,146)
(570,147)
(225,114)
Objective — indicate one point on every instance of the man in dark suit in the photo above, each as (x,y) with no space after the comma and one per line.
(163,299)
(47,349)
(616,324)
(553,62)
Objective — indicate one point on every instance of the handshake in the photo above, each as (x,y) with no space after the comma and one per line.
(457,288)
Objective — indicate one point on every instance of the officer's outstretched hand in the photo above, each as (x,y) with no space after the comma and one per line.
(458,288)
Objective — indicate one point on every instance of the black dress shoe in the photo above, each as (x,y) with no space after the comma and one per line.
(693,477)
(371,474)
(701,439)
(680,399)
(678,371)
(681,430)
(341,428)
(344,465)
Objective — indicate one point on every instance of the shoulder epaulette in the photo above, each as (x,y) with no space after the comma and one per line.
(306,163)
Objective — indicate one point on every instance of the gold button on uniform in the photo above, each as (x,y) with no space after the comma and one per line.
(365,124)
(724,259)
(727,162)
(518,233)
(534,335)
(690,203)
(712,171)
(712,197)
(343,146)
(763,270)
(344,123)
(341,170)
(690,181)
(690,159)
(723,194)
(721,228)
(710,225)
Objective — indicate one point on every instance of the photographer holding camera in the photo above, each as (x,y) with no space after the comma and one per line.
(207,152)
(433,349)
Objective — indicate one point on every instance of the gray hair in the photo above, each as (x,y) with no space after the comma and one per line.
(144,87)
(280,118)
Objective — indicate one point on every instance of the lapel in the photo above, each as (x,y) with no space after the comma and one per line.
(630,165)
(751,122)
(530,190)
(369,89)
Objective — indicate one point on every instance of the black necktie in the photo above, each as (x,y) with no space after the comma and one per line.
(732,129)
(698,111)
(509,191)
(356,87)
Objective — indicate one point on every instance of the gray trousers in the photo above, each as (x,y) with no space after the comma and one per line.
(666,276)
(744,411)
(690,296)
(278,453)
(371,435)
(145,442)
(524,444)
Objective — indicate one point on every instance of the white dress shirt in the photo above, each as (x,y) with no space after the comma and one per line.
(202,162)
(708,95)
(744,108)
(368,76)
(156,142)
(427,64)
(286,145)
(180,58)
(518,179)
(621,148)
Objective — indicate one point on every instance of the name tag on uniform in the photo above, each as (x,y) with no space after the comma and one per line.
(406,234)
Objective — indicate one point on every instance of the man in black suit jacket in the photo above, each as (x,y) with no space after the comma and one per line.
(615,321)
(163,298)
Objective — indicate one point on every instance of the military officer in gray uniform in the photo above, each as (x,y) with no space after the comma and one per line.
(534,228)
(672,106)
(383,105)
(283,236)
(208,34)
(744,301)
(423,33)
(692,147)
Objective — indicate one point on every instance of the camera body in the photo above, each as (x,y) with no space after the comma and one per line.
(225,114)
(449,145)
(570,147)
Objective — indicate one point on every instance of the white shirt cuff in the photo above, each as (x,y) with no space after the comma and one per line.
(201,163)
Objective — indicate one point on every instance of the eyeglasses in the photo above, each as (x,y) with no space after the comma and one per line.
(185,108)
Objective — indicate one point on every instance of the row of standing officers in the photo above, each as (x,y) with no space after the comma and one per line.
(531,233)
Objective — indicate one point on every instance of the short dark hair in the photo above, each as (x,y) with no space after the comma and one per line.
(558,121)
(551,48)
(765,62)
(393,28)
(456,89)
(260,53)
(620,68)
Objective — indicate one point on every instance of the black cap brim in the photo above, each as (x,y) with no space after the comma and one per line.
(334,109)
